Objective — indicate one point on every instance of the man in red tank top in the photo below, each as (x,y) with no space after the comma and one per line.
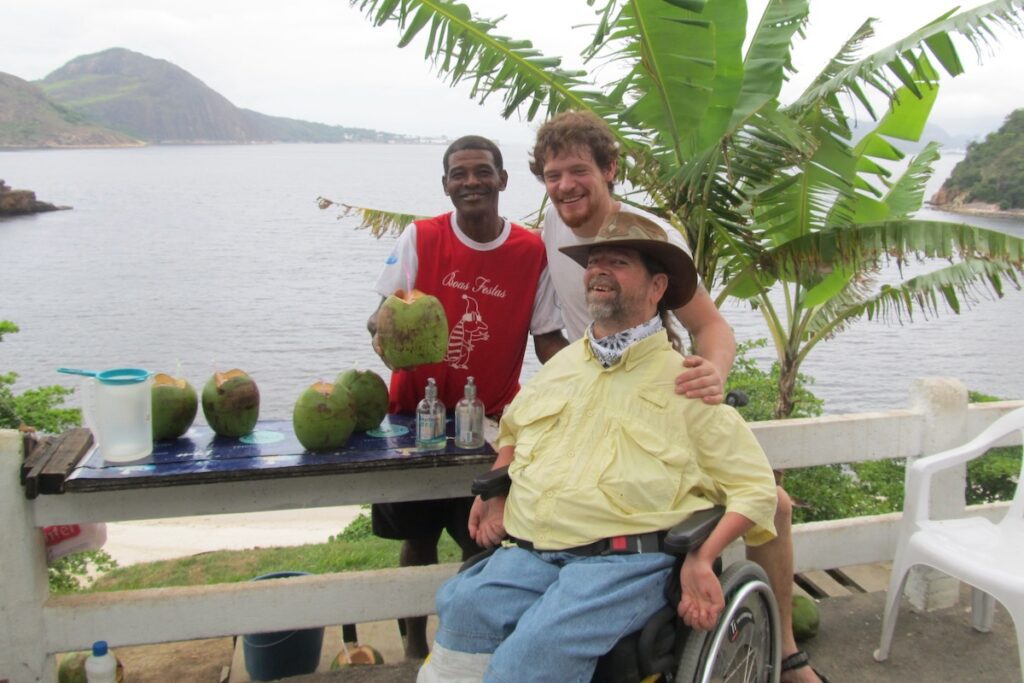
(491,277)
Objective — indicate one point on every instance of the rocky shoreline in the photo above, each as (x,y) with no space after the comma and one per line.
(978,209)
(956,202)
(22,202)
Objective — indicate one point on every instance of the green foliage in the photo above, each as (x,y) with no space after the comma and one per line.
(993,170)
(358,529)
(39,408)
(832,492)
(762,387)
(978,397)
(7,327)
(994,476)
(69,573)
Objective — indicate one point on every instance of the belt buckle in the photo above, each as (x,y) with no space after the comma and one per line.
(617,545)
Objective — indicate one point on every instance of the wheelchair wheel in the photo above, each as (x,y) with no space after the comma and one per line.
(745,646)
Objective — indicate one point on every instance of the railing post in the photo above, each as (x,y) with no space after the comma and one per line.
(944,404)
(24,588)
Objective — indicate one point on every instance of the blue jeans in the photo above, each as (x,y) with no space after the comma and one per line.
(548,616)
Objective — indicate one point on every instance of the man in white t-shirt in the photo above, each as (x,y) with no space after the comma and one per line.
(576,156)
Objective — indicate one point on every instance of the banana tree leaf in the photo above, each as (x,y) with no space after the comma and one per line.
(976,25)
(908,113)
(907,193)
(729,18)
(956,286)
(768,58)
(868,210)
(900,239)
(674,51)
(463,47)
(378,222)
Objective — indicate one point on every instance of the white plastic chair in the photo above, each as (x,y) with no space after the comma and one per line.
(989,557)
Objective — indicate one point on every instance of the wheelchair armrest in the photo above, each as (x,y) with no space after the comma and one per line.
(493,483)
(691,532)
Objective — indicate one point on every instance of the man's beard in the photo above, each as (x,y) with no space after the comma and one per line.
(602,311)
(610,310)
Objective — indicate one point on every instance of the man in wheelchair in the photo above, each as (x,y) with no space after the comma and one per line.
(603,455)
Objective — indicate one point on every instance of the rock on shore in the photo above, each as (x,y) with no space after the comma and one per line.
(21,202)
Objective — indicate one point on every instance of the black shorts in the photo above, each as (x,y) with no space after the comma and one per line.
(425,519)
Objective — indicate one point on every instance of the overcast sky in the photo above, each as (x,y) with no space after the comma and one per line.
(321,60)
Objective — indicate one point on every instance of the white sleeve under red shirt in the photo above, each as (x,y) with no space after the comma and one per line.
(494,294)
(401,265)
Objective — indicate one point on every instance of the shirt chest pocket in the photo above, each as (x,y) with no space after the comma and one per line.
(540,420)
(643,472)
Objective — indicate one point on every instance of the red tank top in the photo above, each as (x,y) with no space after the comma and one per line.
(488,299)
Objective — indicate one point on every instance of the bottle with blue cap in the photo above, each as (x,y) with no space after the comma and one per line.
(101,665)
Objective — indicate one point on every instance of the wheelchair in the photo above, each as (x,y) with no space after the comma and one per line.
(744,647)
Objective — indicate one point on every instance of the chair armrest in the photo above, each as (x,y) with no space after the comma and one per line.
(493,483)
(919,472)
(692,531)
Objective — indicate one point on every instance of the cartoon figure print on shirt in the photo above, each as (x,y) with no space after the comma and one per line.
(471,328)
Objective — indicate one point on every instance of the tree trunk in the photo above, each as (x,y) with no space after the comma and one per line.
(787,388)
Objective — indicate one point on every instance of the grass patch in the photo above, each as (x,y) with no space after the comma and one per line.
(340,554)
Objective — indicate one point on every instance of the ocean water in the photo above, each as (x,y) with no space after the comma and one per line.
(194,259)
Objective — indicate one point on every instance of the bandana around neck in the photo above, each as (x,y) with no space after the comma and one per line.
(610,349)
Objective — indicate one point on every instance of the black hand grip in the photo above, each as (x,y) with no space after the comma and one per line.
(692,531)
(737,399)
(494,483)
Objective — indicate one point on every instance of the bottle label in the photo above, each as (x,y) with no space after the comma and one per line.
(430,433)
(426,428)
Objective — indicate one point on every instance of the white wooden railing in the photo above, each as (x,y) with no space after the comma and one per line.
(34,625)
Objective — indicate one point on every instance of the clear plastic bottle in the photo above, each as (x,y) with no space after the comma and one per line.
(101,665)
(430,419)
(469,418)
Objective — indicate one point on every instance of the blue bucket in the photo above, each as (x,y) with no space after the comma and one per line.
(269,656)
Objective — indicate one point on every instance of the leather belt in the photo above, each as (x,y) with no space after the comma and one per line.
(616,545)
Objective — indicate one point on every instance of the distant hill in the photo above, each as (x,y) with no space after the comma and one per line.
(28,119)
(155,101)
(992,172)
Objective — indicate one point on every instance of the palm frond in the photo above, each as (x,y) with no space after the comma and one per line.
(949,289)
(377,221)
(668,54)
(896,239)
(906,61)
(906,194)
(463,47)
(768,59)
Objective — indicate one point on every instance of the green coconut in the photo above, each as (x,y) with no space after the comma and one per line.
(324,416)
(174,406)
(231,403)
(805,618)
(356,655)
(72,668)
(412,330)
(371,396)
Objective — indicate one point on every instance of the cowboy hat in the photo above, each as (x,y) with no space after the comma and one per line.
(633,231)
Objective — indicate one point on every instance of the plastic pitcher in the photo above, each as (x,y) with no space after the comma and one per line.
(118,409)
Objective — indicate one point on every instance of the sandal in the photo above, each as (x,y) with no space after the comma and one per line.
(799,660)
